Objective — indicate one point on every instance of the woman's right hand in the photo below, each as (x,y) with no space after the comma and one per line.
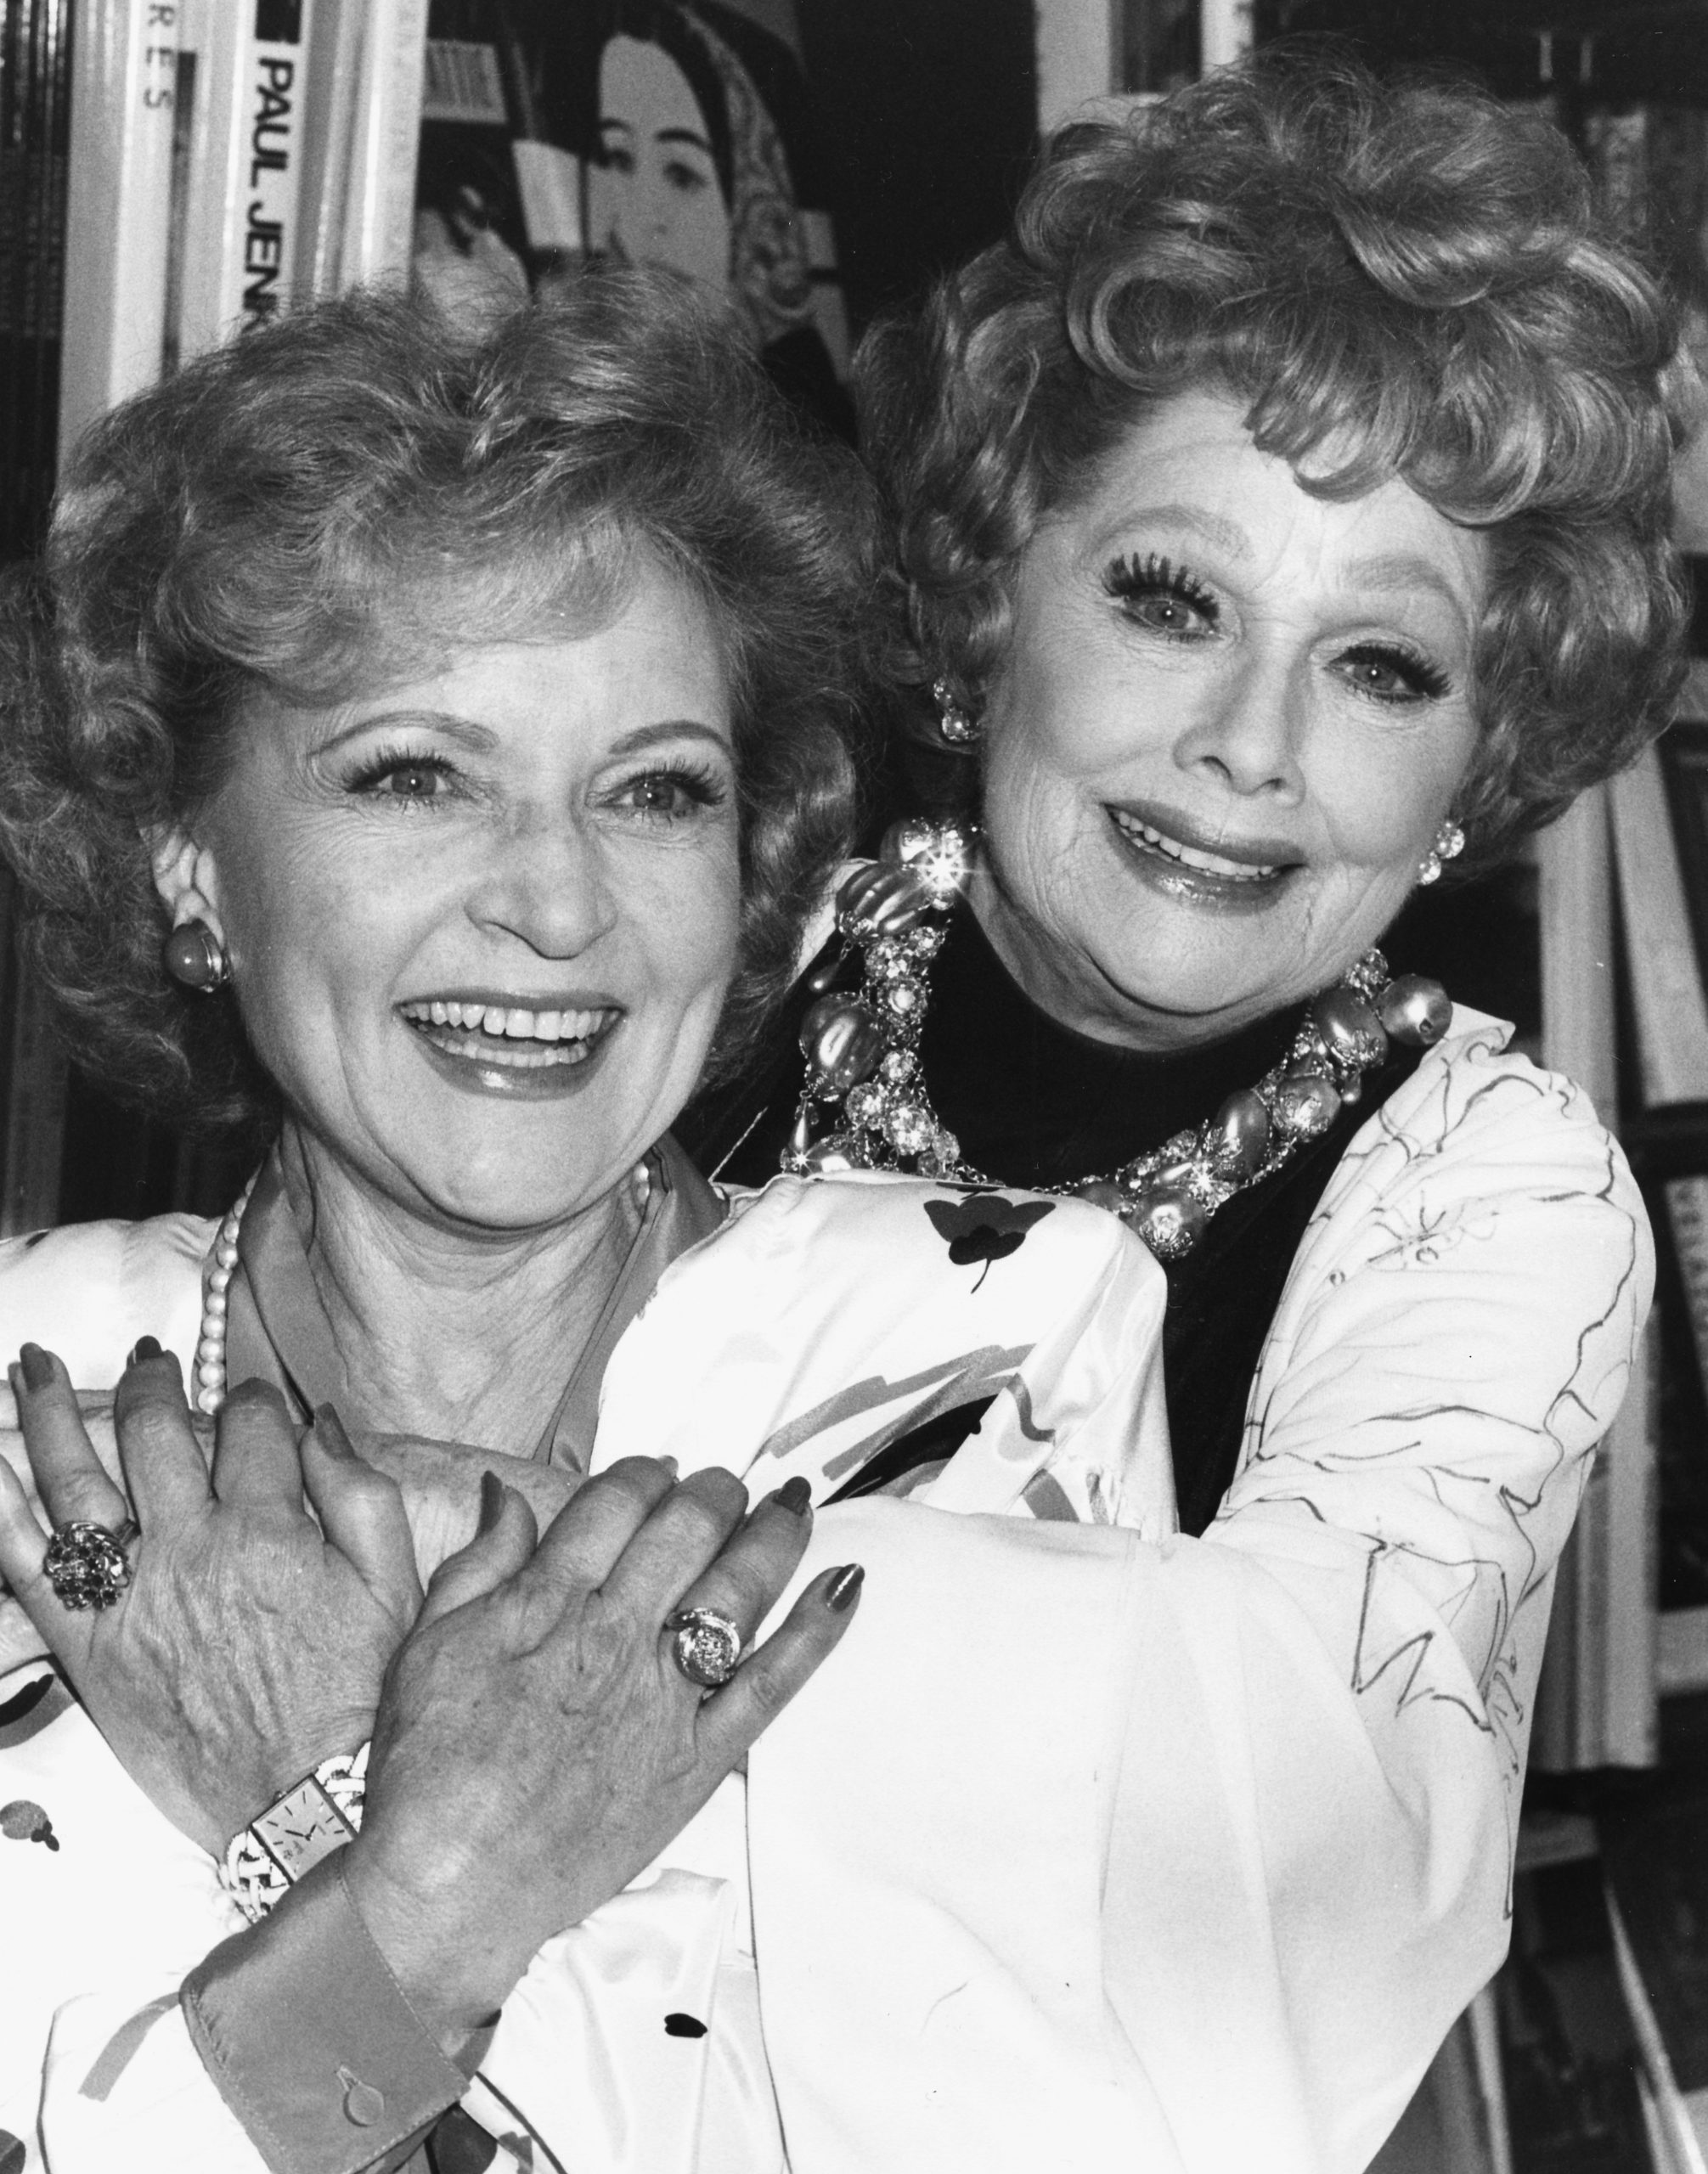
(536,1746)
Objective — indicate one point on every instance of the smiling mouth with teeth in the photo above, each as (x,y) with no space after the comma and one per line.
(508,1037)
(1191,857)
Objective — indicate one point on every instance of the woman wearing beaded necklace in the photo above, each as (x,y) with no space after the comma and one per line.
(1282,520)
(1291,499)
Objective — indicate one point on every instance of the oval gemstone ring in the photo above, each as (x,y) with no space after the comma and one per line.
(706,1647)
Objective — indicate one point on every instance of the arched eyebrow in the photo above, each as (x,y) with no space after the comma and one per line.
(684,136)
(1225,536)
(681,728)
(1398,570)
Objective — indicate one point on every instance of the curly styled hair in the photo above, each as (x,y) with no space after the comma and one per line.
(1398,278)
(342,499)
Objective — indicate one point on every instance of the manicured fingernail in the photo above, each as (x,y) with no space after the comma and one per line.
(328,1432)
(795,1495)
(36,1367)
(145,1348)
(492,1501)
(844,1588)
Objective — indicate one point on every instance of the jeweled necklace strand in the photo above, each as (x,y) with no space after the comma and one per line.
(866,1105)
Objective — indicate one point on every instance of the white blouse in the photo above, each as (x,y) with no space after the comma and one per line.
(1092,1845)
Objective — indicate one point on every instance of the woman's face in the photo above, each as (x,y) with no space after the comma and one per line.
(1230,721)
(654,197)
(481,923)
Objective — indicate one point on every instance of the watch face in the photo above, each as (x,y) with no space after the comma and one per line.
(301,1828)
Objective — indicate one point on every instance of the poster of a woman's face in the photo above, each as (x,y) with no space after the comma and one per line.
(655,196)
(686,129)
(699,124)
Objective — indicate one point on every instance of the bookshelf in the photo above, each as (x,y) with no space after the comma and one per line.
(208,161)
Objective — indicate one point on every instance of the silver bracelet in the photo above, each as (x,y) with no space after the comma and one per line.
(315,1816)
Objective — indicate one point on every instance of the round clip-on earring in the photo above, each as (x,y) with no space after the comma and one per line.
(195,958)
(953,722)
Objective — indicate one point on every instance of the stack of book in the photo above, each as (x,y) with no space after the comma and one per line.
(227,158)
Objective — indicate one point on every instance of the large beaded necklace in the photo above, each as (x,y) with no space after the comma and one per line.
(864,1103)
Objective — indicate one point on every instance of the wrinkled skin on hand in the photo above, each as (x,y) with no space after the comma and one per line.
(440,1481)
(535,1745)
(252,1640)
(441,1486)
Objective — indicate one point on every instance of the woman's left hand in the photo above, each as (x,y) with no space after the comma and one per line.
(252,1641)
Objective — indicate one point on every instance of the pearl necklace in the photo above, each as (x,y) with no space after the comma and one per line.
(221,1266)
(864,1069)
(210,1348)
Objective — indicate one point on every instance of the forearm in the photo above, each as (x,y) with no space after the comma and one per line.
(154,2108)
(313,2042)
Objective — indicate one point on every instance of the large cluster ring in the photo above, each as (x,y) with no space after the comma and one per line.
(706,1647)
(86,1564)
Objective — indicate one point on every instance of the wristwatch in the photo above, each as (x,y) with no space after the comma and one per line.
(315,1816)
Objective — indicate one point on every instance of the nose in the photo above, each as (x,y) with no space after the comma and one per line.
(547,885)
(1248,728)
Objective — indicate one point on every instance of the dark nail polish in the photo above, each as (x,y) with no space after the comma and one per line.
(491,1500)
(328,1432)
(37,1368)
(795,1495)
(145,1348)
(844,1587)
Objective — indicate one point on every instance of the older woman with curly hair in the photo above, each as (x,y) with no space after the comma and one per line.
(1281,514)
(1283,518)
(427,749)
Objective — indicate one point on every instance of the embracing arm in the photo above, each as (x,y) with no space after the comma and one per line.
(1256,1790)
(1454,1341)
(533,1748)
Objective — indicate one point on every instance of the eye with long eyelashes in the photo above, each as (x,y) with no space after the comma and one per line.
(1386,673)
(1156,594)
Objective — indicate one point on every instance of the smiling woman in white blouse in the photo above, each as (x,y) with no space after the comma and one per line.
(1280,511)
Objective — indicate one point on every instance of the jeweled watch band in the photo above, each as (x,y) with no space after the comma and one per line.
(316,1816)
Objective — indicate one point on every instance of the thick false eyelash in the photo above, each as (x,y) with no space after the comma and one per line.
(1424,678)
(1131,577)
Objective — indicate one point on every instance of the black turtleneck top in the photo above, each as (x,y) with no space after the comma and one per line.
(1035,1104)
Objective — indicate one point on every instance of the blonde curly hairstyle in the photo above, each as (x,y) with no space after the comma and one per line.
(1397,280)
(362,486)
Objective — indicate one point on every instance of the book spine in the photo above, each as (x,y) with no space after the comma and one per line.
(1686,1215)
(336,54)
(245,203)
(260,256)
(124,76)
(1666,980)
(1598,1703)
(35,125)
(362,131)
(380,204)
(215,36)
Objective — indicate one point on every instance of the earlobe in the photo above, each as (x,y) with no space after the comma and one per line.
(194,954)
(187,881)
